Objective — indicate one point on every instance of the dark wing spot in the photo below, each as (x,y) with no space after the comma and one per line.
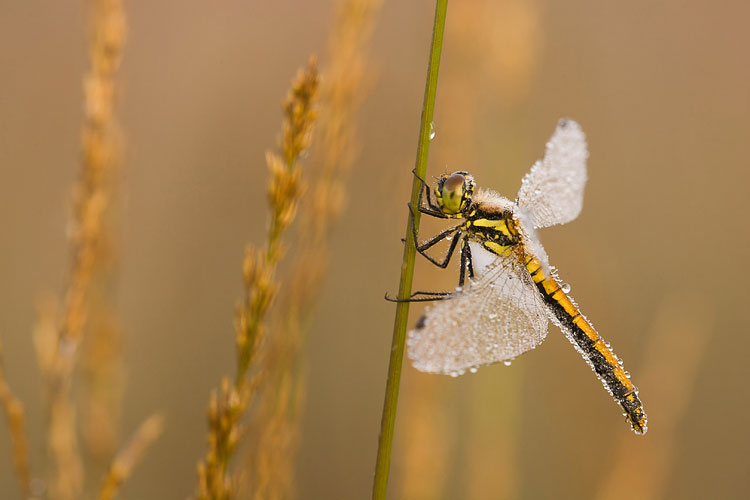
(420,322)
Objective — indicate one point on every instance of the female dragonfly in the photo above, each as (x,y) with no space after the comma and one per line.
(507,290)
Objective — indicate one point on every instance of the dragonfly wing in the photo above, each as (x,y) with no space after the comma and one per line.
(495,318)
(552,192)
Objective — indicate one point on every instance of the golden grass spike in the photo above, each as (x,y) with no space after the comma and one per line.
(124,462)
(91,196)
(15,416)
(227,405)
(270,462)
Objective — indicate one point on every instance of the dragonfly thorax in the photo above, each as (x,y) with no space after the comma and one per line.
(490,220)
(496,230)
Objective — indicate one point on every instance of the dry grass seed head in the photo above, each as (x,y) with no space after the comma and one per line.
(124,462)
(271,459)
(228,405)
(300,113)
(15,416)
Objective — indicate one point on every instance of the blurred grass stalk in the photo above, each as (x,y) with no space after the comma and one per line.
(228,405)
(385,441)
(61,331)
(270,463)
(101,360)
(677,344)
(428,439)
(58,353)
(103,376)
(124,462)
(15,416)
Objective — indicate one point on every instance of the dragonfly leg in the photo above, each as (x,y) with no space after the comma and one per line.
(430,297)
(431,208)
(432,212)
(422,248)
(438,294)
(469,262)
(466,263)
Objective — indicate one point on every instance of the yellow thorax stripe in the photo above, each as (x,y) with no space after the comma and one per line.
(497,224)
(495,247)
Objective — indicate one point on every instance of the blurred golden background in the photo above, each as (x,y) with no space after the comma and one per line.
(663,94)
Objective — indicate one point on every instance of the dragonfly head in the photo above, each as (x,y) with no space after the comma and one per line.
(454,192)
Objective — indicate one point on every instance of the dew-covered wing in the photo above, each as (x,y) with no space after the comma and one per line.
(495,318)
(552,192)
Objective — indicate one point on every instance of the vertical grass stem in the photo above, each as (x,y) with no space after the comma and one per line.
(385,441)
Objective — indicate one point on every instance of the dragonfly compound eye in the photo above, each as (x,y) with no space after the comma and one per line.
(453,191)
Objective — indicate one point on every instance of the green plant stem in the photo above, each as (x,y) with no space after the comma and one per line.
(385,441)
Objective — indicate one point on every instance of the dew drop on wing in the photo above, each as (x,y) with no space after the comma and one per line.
(507,362)
(473,369)
(565,287)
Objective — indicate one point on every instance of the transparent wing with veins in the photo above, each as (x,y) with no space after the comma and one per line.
(552,192)
(496,317)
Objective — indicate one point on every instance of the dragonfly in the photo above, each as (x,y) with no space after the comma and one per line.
(507,290)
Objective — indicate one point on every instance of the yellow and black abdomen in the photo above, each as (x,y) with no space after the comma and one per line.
(592,347)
